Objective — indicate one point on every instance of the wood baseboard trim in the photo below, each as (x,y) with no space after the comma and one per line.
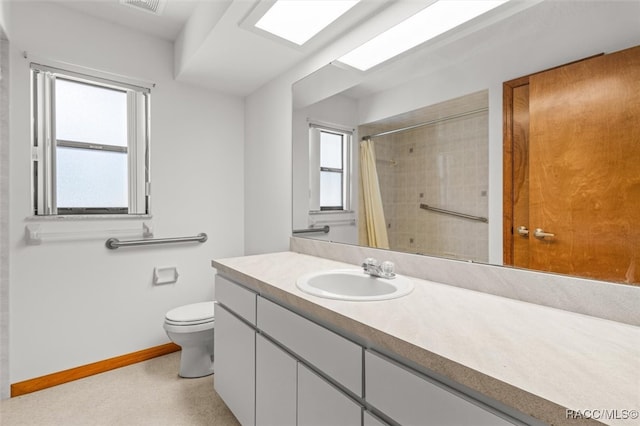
(54,379)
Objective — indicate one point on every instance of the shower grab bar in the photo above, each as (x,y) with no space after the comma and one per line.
(324,229)
(452,213)
(114,243)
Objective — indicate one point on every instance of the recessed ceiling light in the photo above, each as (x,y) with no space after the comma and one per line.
(298,21)
(432,21)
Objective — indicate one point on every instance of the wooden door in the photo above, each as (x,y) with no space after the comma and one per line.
(584,169)
(584,162)
(521,175)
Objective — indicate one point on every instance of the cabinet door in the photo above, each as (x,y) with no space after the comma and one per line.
(412,399)
(234,365)
(276,385)
(322,404)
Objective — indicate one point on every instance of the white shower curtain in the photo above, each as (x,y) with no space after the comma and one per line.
(376,226)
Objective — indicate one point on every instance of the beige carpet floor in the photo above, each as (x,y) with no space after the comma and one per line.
(147,393)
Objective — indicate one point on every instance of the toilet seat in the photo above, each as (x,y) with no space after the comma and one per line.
(193,314)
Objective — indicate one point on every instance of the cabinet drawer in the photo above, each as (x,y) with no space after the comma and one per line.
(330,353)
(410,398)
(322,404)
(236,298)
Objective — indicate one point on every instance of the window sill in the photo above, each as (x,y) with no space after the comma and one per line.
(87,217)
(330,212)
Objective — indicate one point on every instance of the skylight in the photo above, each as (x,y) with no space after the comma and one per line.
(432,21)
(298,21)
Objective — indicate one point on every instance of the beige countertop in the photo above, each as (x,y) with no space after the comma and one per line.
(539,360)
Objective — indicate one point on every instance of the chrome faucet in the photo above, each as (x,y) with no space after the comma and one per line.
(376,269)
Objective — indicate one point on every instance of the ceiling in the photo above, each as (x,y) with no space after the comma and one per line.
(215,43)
(166,26)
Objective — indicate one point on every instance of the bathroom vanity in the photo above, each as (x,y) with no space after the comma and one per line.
(439,355)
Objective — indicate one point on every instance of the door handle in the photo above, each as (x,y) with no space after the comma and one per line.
(539,233)
(523,231)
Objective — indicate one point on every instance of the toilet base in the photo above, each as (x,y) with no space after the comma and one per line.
(196,341)
(196,362)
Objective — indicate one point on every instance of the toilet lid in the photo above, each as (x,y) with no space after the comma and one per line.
(190,313)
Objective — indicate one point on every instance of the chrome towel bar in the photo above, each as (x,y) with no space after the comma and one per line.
(114,243)
(452,213)
(324,229)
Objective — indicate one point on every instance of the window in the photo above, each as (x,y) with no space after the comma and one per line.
(329,177)
(90,144)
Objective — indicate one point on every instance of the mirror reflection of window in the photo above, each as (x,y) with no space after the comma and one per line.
(331,170)
(329,159)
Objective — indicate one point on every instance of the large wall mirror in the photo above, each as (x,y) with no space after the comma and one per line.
(409,155)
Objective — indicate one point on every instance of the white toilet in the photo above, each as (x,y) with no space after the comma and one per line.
(191,327)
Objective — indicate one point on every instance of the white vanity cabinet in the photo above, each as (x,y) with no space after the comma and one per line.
(234,364)
(235,349)
(236,298)
(276,385)
(335,356)
(409,398)
(274,367)
(321,404)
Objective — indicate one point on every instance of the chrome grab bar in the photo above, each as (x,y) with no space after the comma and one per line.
(114,243)
(452,213)
(324,229)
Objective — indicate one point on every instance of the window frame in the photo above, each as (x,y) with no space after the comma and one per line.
(315,167)
(44,144)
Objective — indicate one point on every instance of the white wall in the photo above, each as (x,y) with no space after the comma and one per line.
(73,303)
(5,8)
(267,163)
(4,217)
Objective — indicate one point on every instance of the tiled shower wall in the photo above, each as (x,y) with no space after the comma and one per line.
(444,165)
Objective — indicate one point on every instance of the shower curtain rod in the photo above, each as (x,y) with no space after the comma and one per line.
(426,123)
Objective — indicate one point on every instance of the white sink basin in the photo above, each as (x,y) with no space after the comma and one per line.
(353,284)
